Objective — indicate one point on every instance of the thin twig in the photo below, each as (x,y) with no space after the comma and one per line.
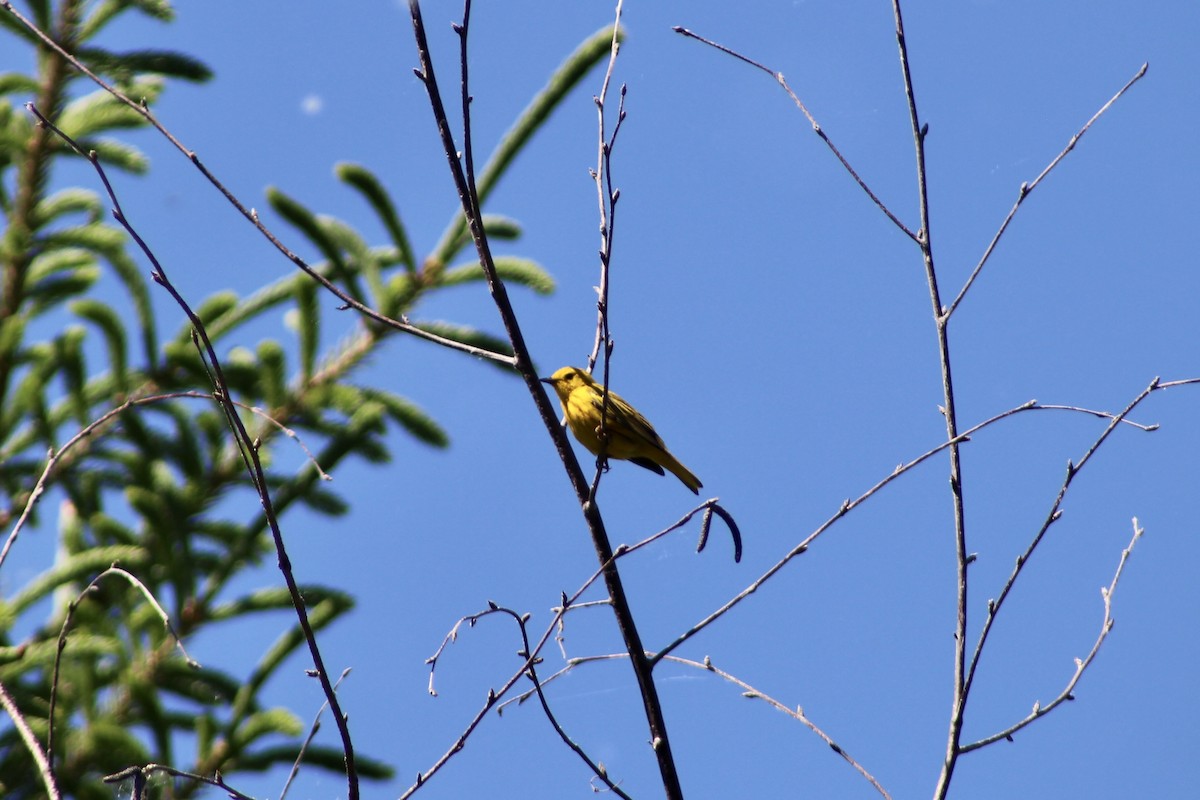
(139,776)
(560,638)
(1052,516)
(45,771)
(1106,414)
(817,129)
(796,713)
(750,692)
(493,697)
(1080,664)
(1182,382)
(38,489)
(529,669)
(849,505)
(606,199)
(568,603)
(451,637)
(603,332)
(1026,188)
(708,507)
(53,458)
(66,626)
(597,768)
(949,409)
(312,734)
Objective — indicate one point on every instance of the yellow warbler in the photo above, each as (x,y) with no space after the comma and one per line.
(628,436)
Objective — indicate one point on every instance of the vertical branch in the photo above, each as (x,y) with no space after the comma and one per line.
(941,319)
(606,201)
(964,670)
(464,182)
(606,197)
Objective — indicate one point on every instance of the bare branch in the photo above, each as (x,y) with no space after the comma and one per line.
(1052,516)
(849,505)
(1027,188)
(949,407)
(568,603)
(606,199)
(54,459)
(66,626)
(796,713)
(750,692)
(464,181)
(1081,665)
(817,129)
(140,775)
(528,669)
(312,733)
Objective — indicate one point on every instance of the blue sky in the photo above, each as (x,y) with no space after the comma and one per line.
(776,328)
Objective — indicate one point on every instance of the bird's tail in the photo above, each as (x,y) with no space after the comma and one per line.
(680,471)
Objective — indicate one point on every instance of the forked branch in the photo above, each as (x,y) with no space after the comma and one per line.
(1081,664)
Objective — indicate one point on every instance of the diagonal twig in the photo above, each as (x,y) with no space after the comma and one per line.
(54,458)
(750,692)
(849,505)
(45,771)
(1026,188)
(312,734)
(1081,664)
(817,129)
(530,671)
(1052,516)
(796,713)
(567,604)
(114,570)
(141,775)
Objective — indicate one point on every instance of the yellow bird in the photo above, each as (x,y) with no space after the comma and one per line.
(628,436)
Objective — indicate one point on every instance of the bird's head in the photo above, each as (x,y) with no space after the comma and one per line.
(568,379)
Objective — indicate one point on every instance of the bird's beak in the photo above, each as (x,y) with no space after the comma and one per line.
(547,380)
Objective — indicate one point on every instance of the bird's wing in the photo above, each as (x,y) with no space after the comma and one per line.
(626,417)
(648,464)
